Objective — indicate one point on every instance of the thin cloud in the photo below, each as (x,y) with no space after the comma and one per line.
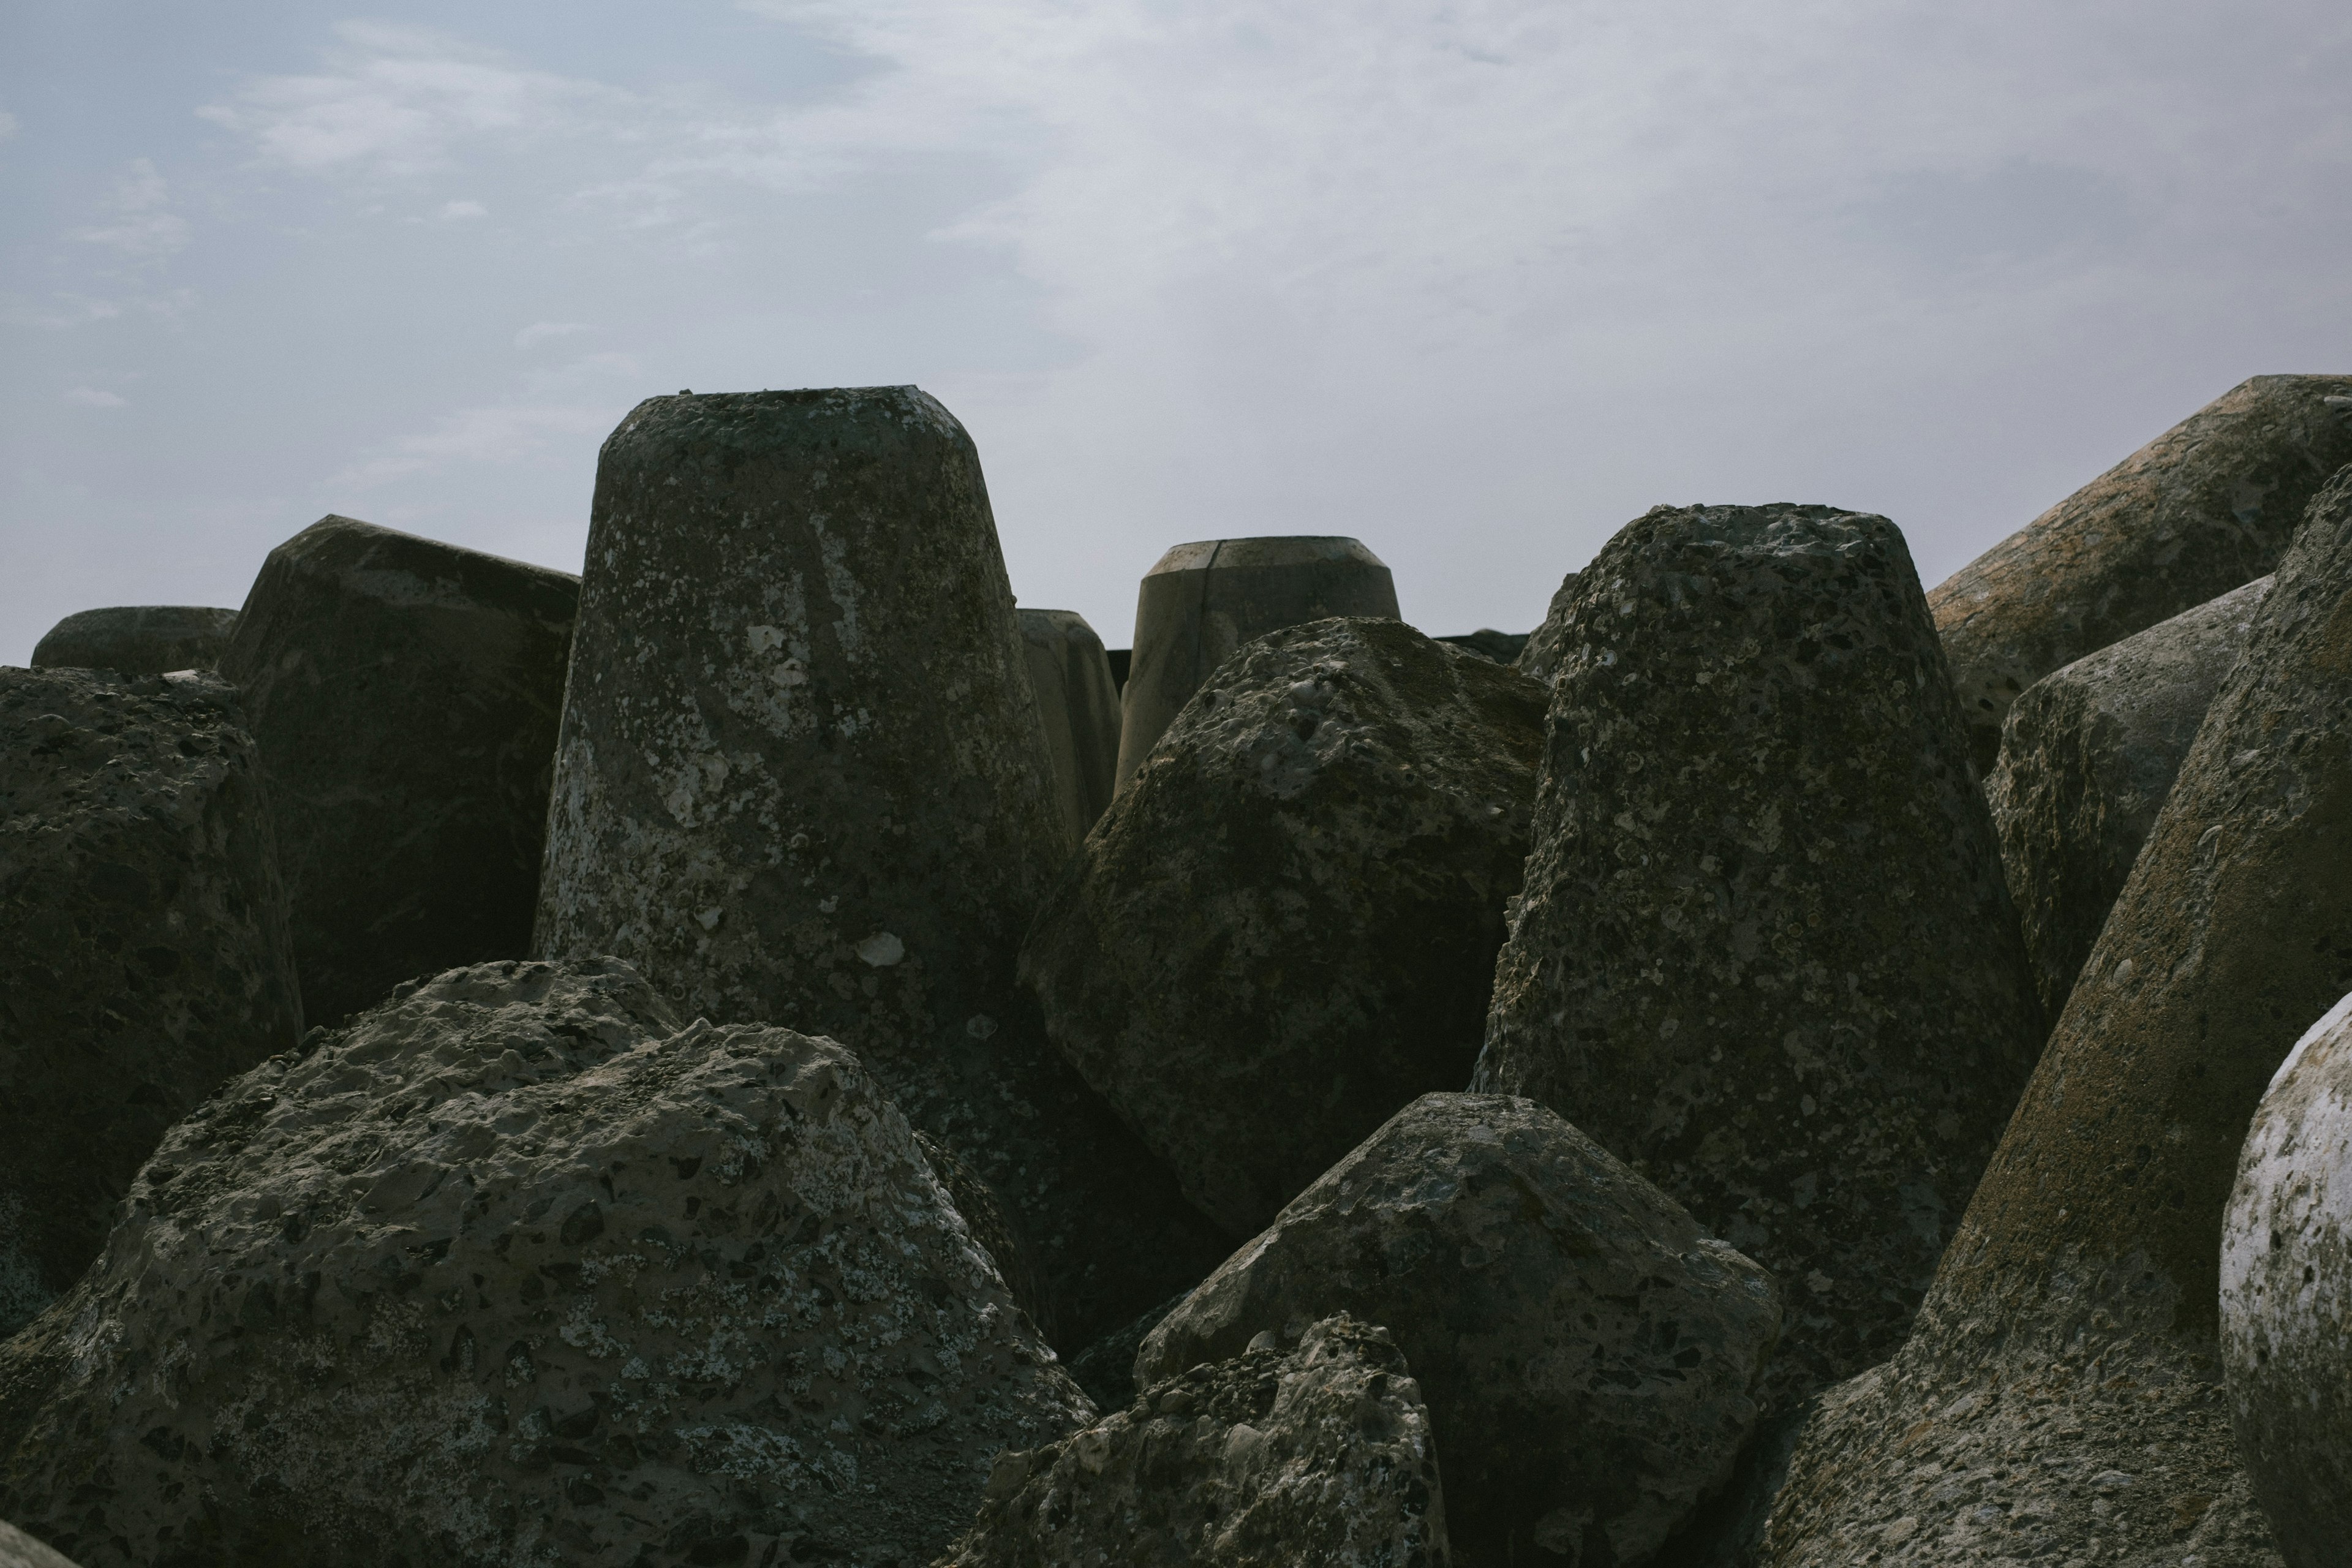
(497,434)
(91,397)
(452,212)
(540,332)
(141,225)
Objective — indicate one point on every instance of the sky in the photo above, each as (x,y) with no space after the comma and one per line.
(1474,283)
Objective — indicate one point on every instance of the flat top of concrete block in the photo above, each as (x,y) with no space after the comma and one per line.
(390,564)
(1273,549)
(755,419)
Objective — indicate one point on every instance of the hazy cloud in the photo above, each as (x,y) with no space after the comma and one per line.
(140,224)
(477,435)
(453,211)
(91,397)
(540,332)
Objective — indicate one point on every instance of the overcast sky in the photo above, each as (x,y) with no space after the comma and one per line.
(1474,282)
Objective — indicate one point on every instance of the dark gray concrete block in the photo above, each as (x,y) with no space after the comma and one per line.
(144,926)
(1538,656)
(1200,602)
(1078,704)
(2205,507)
(802,780)
(404,694)
(138,639)
(2087,756)
(2064,1388)
(1764,954)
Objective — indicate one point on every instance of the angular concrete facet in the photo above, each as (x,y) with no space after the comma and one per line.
(405,695)
(2070,1341)
(138,639)
(2208,505)
(144,926)
(1764,954)
(1203,601)
(518,1268)
(802,780)
(2087,756)
(1538,656)
(1077,701)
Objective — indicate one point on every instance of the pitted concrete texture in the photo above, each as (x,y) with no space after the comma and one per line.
(1200,602)
(802,780)
(405,695)
(1285,929)
(1590,1358)
(2071,1334)
(2205,507)
(1764,954)
(145,930)
(1077,703)
(137,639)
(516,1269)
(1539,658)
(1315,1457)
(2087,756)
(2287,1297)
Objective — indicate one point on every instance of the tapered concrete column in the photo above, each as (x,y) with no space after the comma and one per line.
(1201,601)
(801,781)
(1077,703)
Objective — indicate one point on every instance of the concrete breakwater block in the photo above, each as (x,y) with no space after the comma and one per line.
(1318,1455)
(2205,507)
(802,780)
(137,639)
(520,1268)
(2286,1297)
(1764,952)
(2087,756)
(1285,928)
(405,695)
(2063,1394)
(1077,701)
(1538,656)
(1201,601)
(1590,1357)
(145,930)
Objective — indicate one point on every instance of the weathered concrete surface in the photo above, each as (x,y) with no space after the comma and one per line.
(516,1269)
(1539,656)
(2063,1386)
(2087,755)
(1286,927)
(145,934)
(405,695)
(1589,1357)
(1077,701)
(137,639)
(998,1233)
(2287,1297)
(2205,507)
(1314,1457)
(1106,1369)
(1202,602)
(1765,955)
(802,780)
(18,1550)
(1503,647)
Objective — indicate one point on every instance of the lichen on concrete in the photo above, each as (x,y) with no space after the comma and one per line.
(517,1269)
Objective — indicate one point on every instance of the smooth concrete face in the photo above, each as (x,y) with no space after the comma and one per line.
(1077,703)
(1204,600)
(138,639)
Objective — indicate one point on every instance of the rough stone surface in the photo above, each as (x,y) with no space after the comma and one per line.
(1539,657)
(2205,507)
(1315,1457)
(1077,701)
(802,780)
(1286,927)
(405,695)
(1503,647)
(18,1550)
(145,934)
(516,1270)
(1200,602)
(1765,955)
(1106,1369)
(1589,1356)
(2087,755)
(996,1229)
(2287,1297)
(137,639)
(2063,1388)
